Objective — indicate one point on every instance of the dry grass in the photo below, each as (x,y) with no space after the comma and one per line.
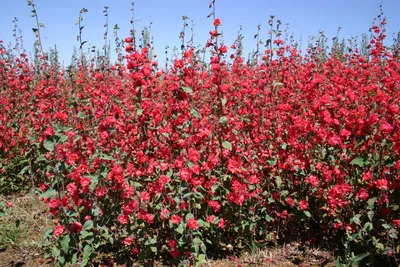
(286,256)
(21,230)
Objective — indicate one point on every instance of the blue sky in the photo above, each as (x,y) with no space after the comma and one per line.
(305,18)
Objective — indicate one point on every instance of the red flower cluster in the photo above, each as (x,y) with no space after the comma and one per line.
(286,136)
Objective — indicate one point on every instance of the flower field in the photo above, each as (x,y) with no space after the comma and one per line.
(138,162)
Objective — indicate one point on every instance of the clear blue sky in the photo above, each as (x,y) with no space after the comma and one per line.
(305,18)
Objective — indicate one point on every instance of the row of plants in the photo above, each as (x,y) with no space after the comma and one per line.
(138,162)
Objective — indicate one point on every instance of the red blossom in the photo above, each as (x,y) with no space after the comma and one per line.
(192,224)
(123,218)
(175,219)
(76,227)
(59,230)
(128,241)
(217,22)
(381,184)
(303,204)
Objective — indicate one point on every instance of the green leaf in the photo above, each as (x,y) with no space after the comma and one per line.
(356,219)
(359,143)
(338,262)
(61,166)
(65,243)
(61,259)
(139,112)
(223,101)
(87,225)
(49,145)
(49,193)
(170,173)
(268,218)
(307,213)
(227,145)
(187,89)
(85,234)
(323,153)
(189,216)
(359,161)
(278,181)
(275,83)
(195,113)
(284,146)
(202,258)
(223,120)
(81,115)
(87,252)
(202,223)
(55,252)
(197,241)
(106,157)
(74,258)
(63,138)
(180,229)
(368,226)
(357,259)
(371,202)
(370,215)
(393,233)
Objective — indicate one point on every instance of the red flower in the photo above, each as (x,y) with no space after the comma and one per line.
(192,224)
(175,219)
(223,49)
(303,205)
(312,180)
(367,176)
(193,155)
(210,219)
(49,131)
(214,33)
(135,251)
(43,187)
(58,230)
(128,241)
(221,223)
(129,48)
(123,218)
(185,174)
(217,22)
(174,253)
(85,182)
(164,214)
(290,201)
(396,223)
(214,205)
(381,184)
(362,194)
(76,227)
(172,243)
(144,196)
